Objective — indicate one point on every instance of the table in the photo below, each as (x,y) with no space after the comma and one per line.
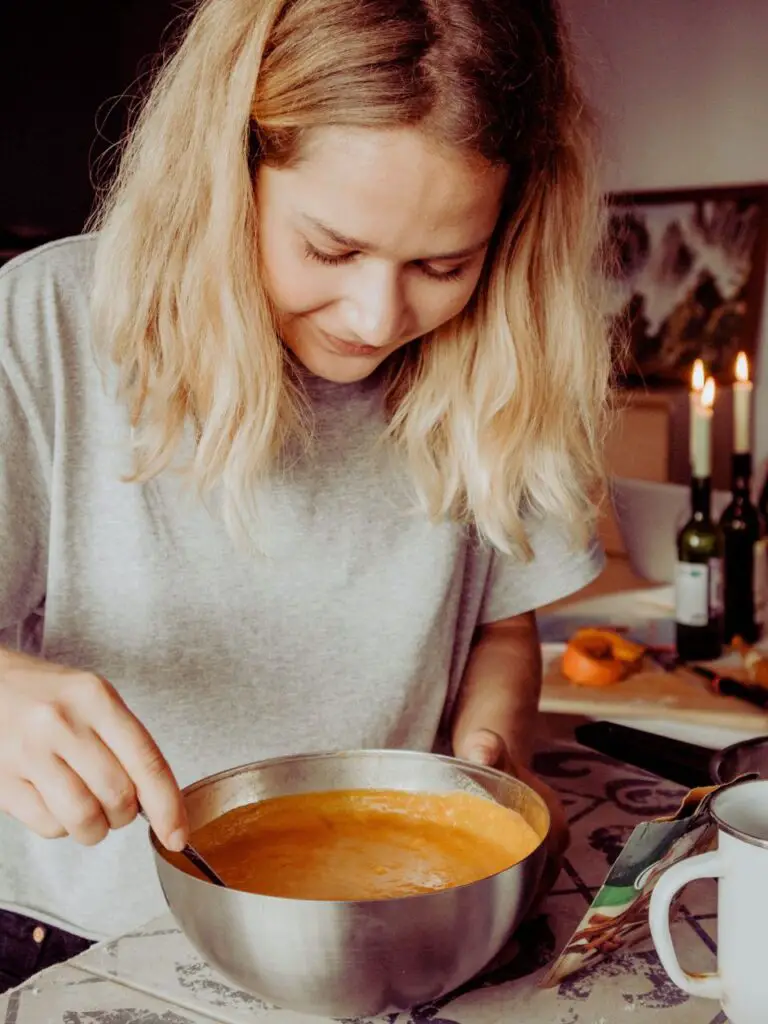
(678,708)
(153,976)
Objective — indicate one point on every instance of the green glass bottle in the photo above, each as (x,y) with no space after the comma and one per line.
(698,580)
(740,528)
(762,502)
(761,563)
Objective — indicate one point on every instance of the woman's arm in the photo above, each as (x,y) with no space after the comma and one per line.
(496,713)
(500,690)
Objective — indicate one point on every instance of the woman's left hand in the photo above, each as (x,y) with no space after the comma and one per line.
(488,748)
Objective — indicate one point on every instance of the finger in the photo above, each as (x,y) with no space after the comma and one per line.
(157,791)
(21,801)
(70,801)
(482,747)
(102,773)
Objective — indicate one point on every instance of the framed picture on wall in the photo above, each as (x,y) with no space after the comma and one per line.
(686,280)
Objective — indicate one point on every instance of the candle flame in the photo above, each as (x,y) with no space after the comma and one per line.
(742,368)
(697,375)
(708,393)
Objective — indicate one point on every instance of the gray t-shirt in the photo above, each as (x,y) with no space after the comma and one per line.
(352,629)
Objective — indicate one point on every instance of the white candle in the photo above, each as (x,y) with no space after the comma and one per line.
(742,399)
(701,459)
(697,386)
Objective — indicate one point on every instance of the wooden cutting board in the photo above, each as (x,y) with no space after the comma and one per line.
(650,693)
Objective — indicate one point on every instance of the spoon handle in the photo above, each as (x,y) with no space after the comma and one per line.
(195,858)
(202,865)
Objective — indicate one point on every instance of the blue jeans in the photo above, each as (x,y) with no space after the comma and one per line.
(27,946)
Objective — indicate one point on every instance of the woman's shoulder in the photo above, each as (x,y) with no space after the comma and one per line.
(45,329)
(66,264)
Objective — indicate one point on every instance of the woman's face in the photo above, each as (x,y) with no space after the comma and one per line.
(371,240)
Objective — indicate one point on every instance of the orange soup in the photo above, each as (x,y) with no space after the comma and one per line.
(362,844)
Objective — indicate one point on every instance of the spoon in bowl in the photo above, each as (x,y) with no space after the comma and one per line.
(447,775)
(196,858)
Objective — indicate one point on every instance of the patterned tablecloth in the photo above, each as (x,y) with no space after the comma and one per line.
(153,976)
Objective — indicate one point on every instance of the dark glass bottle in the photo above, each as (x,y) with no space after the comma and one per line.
(761,562)
(762,504)
(698,580)
(740,528)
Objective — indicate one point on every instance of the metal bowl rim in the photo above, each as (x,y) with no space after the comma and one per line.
(719,757)
(323,755)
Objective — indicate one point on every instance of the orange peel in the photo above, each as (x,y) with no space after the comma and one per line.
(599,657)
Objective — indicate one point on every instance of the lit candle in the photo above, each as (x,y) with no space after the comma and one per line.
(697,386)
(701,458)
(742,391)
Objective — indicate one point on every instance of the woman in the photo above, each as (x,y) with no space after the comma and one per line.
(298,440)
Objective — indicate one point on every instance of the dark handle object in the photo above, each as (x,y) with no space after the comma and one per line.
(202,865)
(757,695)
(684,763)
(197,859)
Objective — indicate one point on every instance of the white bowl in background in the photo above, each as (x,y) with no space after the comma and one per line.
(649,516)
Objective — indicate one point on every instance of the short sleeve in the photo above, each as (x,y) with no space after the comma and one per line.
(515,586)
(25,451)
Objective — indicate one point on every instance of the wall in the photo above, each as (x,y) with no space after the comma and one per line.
(67,78)
(682,86)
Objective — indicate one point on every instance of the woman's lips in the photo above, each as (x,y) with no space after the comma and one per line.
(349,348)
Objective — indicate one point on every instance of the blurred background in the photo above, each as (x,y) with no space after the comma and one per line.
(67,75)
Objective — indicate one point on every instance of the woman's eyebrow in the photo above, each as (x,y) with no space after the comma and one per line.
(346,242)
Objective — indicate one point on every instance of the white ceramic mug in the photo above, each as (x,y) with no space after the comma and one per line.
(740,864)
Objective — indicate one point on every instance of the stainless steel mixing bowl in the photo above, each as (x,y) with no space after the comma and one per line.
(352,959)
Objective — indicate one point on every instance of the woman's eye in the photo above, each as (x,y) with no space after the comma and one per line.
(329,259)
(443,275)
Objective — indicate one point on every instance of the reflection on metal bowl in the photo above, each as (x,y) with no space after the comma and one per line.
(352,959)
(740,758)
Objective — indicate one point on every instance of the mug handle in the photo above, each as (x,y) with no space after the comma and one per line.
(704,865)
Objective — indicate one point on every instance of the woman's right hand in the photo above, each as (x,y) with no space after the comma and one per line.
(75,761)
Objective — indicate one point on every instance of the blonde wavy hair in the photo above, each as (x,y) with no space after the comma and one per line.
(499,412)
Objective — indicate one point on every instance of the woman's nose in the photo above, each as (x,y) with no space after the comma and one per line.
(376,308)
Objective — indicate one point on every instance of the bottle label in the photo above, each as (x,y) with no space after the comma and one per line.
(761,581)
(716,600)
(692,594)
